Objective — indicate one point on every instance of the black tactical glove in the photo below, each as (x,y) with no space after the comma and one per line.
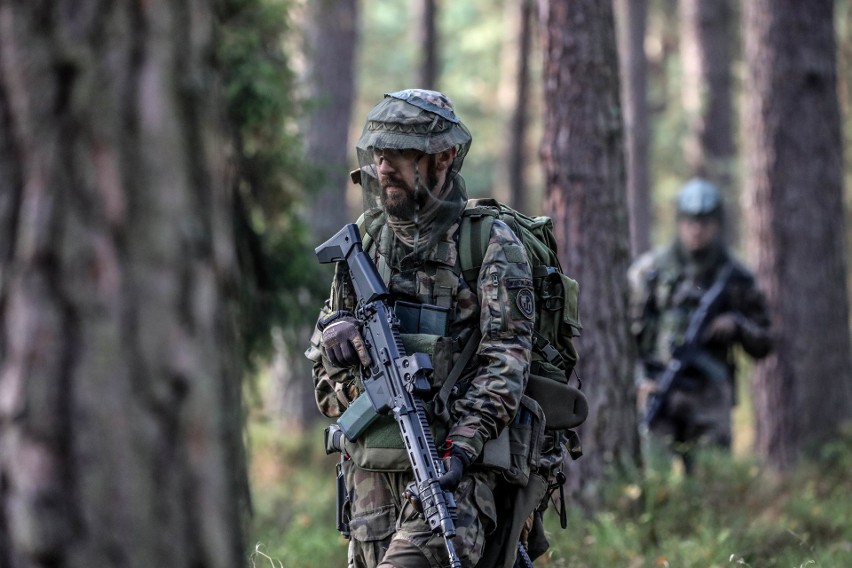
(455,465)
(342,340)
(724,328)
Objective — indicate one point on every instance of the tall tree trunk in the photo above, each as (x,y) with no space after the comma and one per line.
(120,430)
(428,41)
(707,30)
(631,17)
(517,139)
(332,35)
(584,172)
(332,38)
(511,182)
(794,207)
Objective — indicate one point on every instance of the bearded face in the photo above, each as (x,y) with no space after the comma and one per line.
(403,191)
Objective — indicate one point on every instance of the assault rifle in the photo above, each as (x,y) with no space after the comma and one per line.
(394,382)
(690,353)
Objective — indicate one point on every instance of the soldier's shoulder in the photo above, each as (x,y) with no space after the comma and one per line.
(503,234)
(741,272)
(647,264)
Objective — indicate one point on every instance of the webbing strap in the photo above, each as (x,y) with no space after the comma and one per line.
(474,235)
(440,402)
(445,287)
(366,238)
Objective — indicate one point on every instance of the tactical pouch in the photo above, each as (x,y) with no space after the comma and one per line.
(422,318)
(557,317)
(440,350)
(380,448)
(564,406)
(518,446)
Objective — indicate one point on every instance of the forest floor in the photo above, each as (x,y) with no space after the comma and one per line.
(731,513)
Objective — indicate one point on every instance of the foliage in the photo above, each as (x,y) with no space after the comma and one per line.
(472,36)
(731,513)
(293,496)
(279,274)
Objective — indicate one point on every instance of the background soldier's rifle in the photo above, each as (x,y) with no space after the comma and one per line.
(394,382)
(691,353)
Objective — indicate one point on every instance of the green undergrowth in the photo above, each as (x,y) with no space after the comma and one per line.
(731,513)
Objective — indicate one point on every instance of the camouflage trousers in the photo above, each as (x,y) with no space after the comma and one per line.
(694,418)
(387,532)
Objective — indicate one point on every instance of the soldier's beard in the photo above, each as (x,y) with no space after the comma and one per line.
(405,201)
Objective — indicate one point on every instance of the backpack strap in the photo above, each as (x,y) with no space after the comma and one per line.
(366,238)
(364,222)
(474,234)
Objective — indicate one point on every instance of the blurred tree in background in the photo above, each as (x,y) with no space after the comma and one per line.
(631,18)
(271,180)
(120,393)
(116,304)
(794,190)
(583,156)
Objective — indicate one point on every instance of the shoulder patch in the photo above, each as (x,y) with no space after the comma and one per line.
(515,254)
(526,303)
(512,283)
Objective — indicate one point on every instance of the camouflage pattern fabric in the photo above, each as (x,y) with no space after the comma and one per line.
(494,386)
(666,287)
(488,397)
(415,119)
(387,531)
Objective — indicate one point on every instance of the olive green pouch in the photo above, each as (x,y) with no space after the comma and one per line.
(518,446)
(564,406)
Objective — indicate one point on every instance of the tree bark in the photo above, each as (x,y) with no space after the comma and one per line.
(707,34)
(631,17)
(584,173)
(517,139)
(794,208)
(120,426)
(428,41)
(332,36)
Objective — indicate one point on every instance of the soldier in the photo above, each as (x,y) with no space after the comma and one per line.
(410,152)
(666,288)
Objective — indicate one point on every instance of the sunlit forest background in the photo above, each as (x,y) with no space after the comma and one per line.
(737,512)
(166,170)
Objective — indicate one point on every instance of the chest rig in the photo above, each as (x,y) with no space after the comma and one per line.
(425,300)
(434,304)
(425,290)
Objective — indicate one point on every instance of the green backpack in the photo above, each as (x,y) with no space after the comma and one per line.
(557,319)
(563,407)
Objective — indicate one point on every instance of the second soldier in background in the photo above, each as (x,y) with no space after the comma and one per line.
(667,287)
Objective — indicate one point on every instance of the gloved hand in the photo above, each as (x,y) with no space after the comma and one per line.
(455,465)
(722,329)
(342,340)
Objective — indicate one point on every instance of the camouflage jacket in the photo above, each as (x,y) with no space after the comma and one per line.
(490,389)
(667,286)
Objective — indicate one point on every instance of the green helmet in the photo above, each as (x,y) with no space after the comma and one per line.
(415,119)
(425,122)
(699,198)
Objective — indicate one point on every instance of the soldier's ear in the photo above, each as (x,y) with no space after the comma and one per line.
(445,159)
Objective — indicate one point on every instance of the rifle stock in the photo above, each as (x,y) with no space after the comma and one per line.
(395,382)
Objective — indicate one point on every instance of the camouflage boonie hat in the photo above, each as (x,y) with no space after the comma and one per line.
(415,119)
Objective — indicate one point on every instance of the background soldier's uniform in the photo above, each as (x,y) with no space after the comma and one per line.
(666,288)
(484,401)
